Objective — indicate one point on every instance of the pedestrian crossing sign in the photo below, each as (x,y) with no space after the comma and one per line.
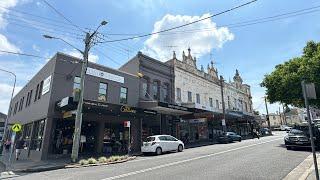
(16,127)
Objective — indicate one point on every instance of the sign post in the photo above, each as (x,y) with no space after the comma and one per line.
(128,125)
(309,93)
(15,128)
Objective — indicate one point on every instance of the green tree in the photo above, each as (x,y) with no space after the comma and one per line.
(284,83)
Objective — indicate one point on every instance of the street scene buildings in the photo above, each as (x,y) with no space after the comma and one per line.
(107,90)
(176,99)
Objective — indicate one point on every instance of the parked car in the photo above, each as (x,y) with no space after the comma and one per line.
(283,127)
(161,143)
(264,131)
(229,137)
(300,137)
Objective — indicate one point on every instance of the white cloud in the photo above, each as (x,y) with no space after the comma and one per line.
(92,57)
(6,45)
(5,95)
(36,48)
(201,42)
(5,4)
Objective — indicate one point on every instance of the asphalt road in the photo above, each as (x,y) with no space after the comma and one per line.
(265,158)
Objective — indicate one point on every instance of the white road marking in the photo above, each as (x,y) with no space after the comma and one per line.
(184,161)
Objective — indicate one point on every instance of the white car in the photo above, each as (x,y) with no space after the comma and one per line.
(161,143)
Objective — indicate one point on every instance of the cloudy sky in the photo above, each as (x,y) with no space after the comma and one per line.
(254,49)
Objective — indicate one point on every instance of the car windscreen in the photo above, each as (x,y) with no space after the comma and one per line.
(297,132)
(150,138)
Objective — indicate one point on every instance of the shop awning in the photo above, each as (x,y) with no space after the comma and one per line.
(165,108)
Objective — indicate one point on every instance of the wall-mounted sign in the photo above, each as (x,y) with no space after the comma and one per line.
(16,127)
(46,85)
(126,124)
(127,109)
(105,75)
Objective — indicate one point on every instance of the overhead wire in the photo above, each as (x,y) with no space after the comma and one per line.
(60,14)
(183,25)
(23,54)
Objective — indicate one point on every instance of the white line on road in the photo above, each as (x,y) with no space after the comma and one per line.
(184,161)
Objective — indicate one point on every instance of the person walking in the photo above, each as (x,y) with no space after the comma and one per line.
(19,147)
(255,134)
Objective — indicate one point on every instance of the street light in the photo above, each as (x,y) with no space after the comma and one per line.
(78,121)
(6,121)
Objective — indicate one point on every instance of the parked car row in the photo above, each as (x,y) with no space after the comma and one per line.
(299,136)
(229,137)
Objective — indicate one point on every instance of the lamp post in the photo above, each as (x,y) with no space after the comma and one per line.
(268,118)
(78,121)
(6,121)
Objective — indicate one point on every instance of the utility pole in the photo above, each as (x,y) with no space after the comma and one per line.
(284,115)
(268,118)
(223,122)
(78,120)
(306,95)
(89,42)
(280,116)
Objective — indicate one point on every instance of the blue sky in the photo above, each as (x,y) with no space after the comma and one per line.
(254,50)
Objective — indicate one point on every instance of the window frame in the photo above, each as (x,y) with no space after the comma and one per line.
(126,99)
(189,96)
(104,91)
(198,98)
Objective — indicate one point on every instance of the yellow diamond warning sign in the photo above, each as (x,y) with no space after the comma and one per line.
(16,127)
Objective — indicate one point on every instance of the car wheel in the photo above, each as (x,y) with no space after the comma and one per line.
(158,151)
(239,139)
(288,147)
(180,148)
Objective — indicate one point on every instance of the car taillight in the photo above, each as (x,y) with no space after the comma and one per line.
(153,143)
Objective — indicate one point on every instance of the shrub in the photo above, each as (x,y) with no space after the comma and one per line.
(102,159)
(92,161)
(83,162)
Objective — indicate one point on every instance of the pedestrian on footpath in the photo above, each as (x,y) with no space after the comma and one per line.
(7,145)
(19,147)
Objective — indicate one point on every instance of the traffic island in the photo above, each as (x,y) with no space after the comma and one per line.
(101,161)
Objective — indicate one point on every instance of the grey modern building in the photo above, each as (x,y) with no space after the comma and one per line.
(46,109)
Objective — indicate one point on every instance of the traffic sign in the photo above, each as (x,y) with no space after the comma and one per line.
(126,123)
(16,127)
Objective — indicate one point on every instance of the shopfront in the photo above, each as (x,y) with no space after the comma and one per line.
(103,130)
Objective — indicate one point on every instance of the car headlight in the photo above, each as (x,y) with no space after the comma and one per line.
(286,138)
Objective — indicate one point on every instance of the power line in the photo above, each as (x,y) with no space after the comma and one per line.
(246,23)
(108,57)
(183,25)
(23,54)
(60,14)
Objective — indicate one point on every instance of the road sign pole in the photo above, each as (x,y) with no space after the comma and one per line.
(13,137)
(305,95)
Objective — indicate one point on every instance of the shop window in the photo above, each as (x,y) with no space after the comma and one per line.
(123,95)
(210,102)
(37,137)
(217,104)
(40,90)
(189,96)
(165,92)
(155,90)
(178,94)
(198,98)
(145,89)
(103,89)
(27,134)
(76,88)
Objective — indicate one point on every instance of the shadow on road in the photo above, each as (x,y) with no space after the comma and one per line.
(307,149)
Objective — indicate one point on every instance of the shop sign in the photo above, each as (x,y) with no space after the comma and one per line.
(64,102)
(46,85)
(68,114)
(105,75)
(126,124)
(223,122)
(200,120)
(127,109)
(96,104)
(177,107)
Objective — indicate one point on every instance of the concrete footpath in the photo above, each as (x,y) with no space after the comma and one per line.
(305,170)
